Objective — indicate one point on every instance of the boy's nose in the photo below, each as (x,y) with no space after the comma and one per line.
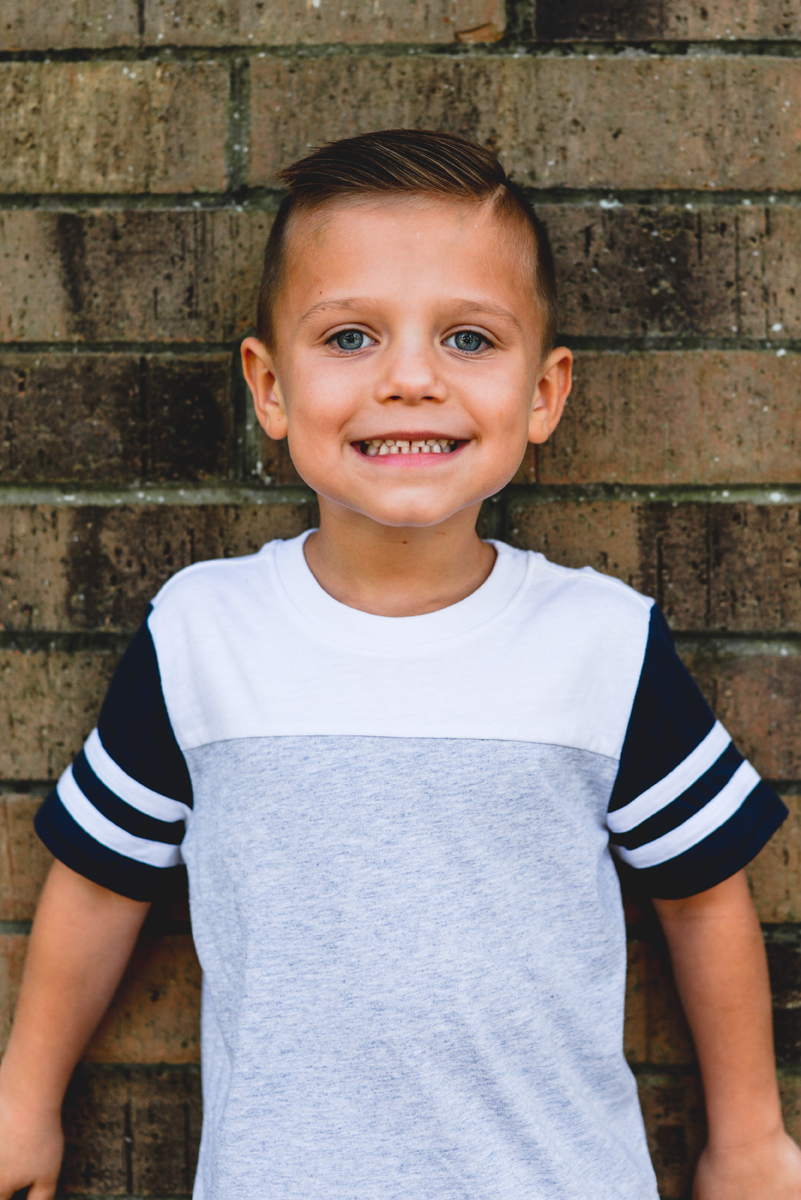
(411,378)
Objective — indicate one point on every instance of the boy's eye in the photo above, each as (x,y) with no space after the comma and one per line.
(350,339)
(467,340)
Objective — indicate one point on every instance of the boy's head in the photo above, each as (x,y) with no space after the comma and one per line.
(406,320)
(407,163)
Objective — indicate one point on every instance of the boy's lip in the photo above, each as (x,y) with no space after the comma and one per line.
(404,436)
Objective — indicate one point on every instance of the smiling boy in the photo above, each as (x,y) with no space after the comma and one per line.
(394,757)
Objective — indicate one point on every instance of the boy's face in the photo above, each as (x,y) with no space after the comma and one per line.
(406,321)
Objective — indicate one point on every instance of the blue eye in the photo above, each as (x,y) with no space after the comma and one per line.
(467,341)
(350,339)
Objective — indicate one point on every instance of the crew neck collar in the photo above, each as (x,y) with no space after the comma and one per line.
(339,622)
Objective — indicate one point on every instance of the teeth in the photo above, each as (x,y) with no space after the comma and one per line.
(379,446)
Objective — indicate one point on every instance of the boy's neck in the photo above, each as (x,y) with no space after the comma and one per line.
(397,572)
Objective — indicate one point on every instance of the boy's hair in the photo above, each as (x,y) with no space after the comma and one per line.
(397,162)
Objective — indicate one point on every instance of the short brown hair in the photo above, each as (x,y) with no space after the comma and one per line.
(401,162)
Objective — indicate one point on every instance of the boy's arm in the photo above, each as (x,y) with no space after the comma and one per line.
(721,971)
(81,940)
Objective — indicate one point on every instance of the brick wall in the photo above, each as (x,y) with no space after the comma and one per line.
(660,143)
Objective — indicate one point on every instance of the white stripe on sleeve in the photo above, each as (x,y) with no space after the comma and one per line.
(153,804)
(669,788)
(155,854)
(697,827)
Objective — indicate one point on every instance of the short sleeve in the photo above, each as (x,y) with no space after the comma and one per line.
(118,814)
(687,810)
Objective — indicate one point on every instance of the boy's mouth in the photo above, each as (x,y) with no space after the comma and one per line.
(380,447)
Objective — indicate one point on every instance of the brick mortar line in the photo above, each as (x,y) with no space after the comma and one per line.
(247,198)
(223,493)
(711,644)
(515,47)
(716,646)
(174,349)
(25,786)
(682,493)
(151,494)
(648,344)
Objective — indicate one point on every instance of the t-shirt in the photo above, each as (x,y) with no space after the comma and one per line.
(397,835)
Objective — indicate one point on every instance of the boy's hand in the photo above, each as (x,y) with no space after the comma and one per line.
(31,1148)
(767,1170)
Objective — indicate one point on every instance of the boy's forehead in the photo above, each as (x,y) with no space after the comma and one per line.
(429,238)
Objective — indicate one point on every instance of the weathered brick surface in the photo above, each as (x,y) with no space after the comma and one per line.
(674,1120)
(636,271)
(728,567)
(656,1031)
(130,276)
(722,567)
(671,417)
(155,1015)
(117,417)
(113,127)
(99,567)
(53,24)
(574,122)
(775,874)
(239,22)
(193,276)
(784,960)
(131,1132)
(24,862)
(12,957)
(49,700)
(627,20)
(758,698)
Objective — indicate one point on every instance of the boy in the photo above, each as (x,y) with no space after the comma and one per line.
(391,756)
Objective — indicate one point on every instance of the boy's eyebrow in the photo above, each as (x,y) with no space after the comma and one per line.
(460,308)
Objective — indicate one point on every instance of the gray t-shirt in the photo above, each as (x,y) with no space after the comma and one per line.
(397,835)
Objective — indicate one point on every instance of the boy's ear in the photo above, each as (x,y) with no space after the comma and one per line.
(553,388)
(268,398)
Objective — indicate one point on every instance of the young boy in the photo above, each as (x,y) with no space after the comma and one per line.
(392,757)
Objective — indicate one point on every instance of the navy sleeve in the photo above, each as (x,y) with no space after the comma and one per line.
(687,811)
(118,814)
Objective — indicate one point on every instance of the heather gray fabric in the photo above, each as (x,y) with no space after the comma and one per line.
(403,999)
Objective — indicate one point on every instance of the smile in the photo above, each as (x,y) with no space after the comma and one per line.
(378,447)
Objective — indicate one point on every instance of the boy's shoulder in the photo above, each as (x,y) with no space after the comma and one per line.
(525,591)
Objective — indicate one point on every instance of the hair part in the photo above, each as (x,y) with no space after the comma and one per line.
(403,162)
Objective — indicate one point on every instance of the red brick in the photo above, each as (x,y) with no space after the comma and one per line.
(673,1109)
(56,24)
(775,874)
(574,20)
(639,122)
(98,568)
(49,700)
(12,957)
(25,862)
(113,127)
(117,417)
(728,567)
(181,23)
(656,1031)
(155,1015)
(637,271)
(131,1131)
(193,276)
(669,417)
(758,698)
(135,276)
